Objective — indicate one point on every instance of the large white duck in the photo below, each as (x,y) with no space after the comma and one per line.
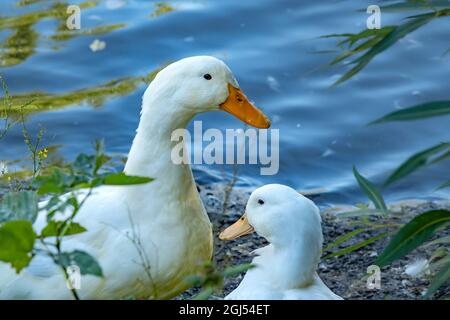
(167,214)
(286,268)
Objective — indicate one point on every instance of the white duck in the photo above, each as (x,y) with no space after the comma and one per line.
(167,214)
(286,268)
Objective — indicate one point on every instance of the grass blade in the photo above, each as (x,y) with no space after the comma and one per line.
(415,162)
(357,246)
(236,270)
(344,238)
(440,278)
(439,241)
(204,294)
(412,235)
(370,190)
(421,111)
(360,213)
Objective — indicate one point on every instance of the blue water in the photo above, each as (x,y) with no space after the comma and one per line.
(272,47)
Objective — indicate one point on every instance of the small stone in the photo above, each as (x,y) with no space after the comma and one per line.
(406,283)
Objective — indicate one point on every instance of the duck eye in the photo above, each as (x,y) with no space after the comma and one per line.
(207,76)
(261,202)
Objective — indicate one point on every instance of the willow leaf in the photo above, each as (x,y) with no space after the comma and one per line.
(388,40)
(360,213)
(412,235)
(357,246)
(344,238)
(415,162)
(370,190)
(439,279)
(421,111)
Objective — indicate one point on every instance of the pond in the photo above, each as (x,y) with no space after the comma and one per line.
(277,54)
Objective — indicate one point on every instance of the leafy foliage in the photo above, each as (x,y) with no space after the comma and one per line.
(18,210)
(370,43)
(370,190)
(16,243)
(419,160)
(211,279)
(413,234)
(421,111)
(54,228)
(21,205)
(86,263)
(440,278)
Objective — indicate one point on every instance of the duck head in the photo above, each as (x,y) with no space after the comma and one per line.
(199,84)
(281,215)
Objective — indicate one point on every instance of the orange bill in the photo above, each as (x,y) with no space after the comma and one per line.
(238,229)
(238,105)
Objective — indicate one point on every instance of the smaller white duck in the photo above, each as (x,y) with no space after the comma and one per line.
(286,268)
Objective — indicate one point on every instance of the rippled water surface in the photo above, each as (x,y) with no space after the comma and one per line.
(275,51)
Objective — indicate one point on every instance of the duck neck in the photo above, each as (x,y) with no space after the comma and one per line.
(150,154)
(296,261)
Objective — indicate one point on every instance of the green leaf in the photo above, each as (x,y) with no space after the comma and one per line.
(54,228)
(439,241)
(122,179)
(439,279)
(360,213)
(441,157)
(421,111)
(415,162)
(86,263)
(415,5)
(357,246)
(204,294)
(412,235)
(21,205)
(16,243)
(57,182)
(370,190)
(194,280)
(84,164)
(444,185)
(388,40)
(343,238)
(236,270)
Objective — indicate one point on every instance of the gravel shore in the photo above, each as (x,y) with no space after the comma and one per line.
(344,274)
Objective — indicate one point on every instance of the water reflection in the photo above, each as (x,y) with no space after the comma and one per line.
(19,46)
(22,42)
(161,8)
(95,96)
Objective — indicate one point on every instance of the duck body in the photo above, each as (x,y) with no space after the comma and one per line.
(286,268)
(271,281)
(147,238)
(166,216)
(125,273)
